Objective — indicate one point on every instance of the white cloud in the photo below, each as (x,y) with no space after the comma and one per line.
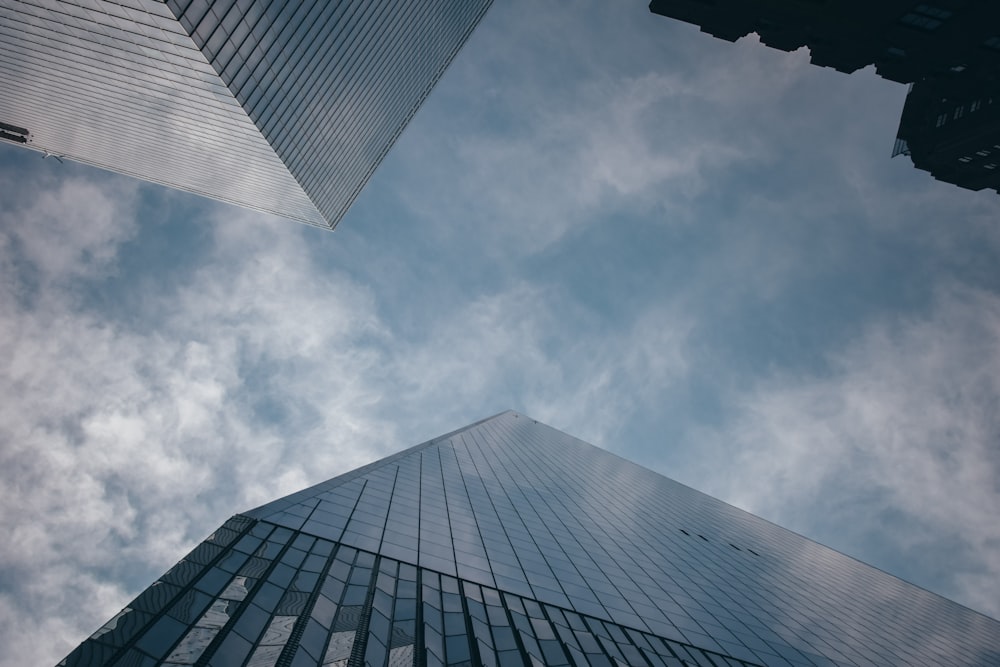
(895,447)
(583,135)
(530,348)
(73,230)
(126,439)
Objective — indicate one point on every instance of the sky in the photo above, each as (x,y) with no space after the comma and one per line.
(696,254)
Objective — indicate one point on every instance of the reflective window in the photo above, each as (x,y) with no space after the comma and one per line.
(510,543)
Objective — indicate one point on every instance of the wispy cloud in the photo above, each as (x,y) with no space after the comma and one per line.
(583,136)
(251,373)
(896,445)
(516,257)
(125,439)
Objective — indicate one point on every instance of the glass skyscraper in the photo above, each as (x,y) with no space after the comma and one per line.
(277,105)
(510,543)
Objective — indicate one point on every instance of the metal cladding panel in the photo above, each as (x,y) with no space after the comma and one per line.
(121,86)
(278,105)
(330,84)
(511,543)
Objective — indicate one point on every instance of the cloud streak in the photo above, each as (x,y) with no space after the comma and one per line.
(250,374)
(895,444)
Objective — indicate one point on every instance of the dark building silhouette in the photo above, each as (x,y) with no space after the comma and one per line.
(950,127)
(905,40)
(509,543)
(948,49)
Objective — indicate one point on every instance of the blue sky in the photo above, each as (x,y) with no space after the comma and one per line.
(696,254)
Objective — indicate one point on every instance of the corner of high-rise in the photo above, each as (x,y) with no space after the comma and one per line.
(509,543)
(279,106)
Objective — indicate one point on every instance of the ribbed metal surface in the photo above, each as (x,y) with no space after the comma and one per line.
(278,105)
(330,84)
(120,85)
(511,543)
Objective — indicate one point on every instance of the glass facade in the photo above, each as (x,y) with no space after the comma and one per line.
(286,107)
(510,543)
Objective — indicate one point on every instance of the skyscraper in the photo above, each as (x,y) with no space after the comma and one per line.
(280,106)
(950,127)
(906,40)
(508,542)
(948,50)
